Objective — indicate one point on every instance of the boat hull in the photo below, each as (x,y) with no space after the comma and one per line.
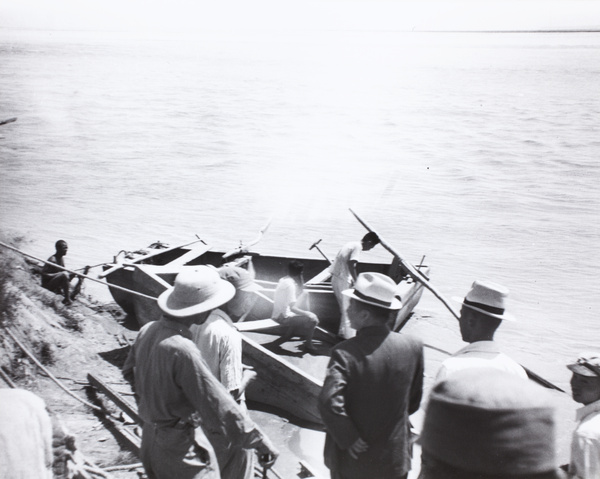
(279,383)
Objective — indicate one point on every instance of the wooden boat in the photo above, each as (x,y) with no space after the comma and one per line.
(280,383)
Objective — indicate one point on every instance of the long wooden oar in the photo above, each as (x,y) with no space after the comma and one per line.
(414,272)
(417,276)
(10,120)
(244,248)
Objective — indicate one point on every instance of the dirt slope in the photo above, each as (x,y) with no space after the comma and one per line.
(70,342)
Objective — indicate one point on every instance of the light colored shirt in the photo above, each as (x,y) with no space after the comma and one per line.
(221,347)
(585,445)
(173,382)
(480,354)
(284,298)
(25,436)
(349,252)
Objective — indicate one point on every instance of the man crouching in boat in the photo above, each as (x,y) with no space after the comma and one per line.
(55,279)
(221,347)
(374,381)
(286,312)
(178,395)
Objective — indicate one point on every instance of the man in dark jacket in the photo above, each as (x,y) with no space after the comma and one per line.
(374,382)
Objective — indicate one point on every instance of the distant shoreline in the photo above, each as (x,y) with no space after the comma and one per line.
(188,32)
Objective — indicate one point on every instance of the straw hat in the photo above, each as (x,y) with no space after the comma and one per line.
(240,278)
(195,292)
(587,364)
(376,289)
(487,298)
(488,421)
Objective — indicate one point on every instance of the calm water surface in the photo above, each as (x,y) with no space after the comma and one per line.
(479,151)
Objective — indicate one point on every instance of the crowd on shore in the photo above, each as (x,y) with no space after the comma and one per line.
(484,419)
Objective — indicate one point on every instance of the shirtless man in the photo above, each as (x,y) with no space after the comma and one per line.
(55,279)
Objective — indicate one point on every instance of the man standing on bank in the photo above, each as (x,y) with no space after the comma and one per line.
(55,279)
(177,391)
(483,310)
(344,274)
(585,445)
(374,382)
(220,345)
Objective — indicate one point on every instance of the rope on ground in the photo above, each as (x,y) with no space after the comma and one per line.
(50,375)
(7,379)
(16,250)
(124,467)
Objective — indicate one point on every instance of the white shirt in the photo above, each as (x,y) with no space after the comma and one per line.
(284,298)
(585,445)
(221,347)
(480,354)
(349,252)
(25,435)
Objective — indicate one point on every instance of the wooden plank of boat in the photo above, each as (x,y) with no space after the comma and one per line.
(257,325)
(281,384)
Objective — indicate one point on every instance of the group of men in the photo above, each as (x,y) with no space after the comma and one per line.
(483,418)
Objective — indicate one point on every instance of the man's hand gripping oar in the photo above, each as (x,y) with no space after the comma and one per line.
(414,272)
(418,276)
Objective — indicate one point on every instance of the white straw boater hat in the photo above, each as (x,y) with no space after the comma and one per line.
(376,289)
(488,298)
(195,291)
(587,364)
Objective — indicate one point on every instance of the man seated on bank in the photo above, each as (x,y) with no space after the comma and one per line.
(489,424)
(585,445)
(56,279)
(296,321)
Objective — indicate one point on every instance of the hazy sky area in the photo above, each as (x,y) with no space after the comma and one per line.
(194,15)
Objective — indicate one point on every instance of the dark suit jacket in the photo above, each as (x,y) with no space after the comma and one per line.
(374,382)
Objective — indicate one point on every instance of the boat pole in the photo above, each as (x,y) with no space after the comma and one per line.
(418,276)
(10,120)
(316,245)
(414,272)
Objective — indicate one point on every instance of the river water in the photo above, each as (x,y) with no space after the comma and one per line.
(478,150)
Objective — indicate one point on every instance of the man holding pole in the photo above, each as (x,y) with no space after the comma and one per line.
(344,274)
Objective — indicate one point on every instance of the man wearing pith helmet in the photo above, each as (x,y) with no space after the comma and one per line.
(178,395)
(374,382)
(483,311)
(585,445)
(483,423)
